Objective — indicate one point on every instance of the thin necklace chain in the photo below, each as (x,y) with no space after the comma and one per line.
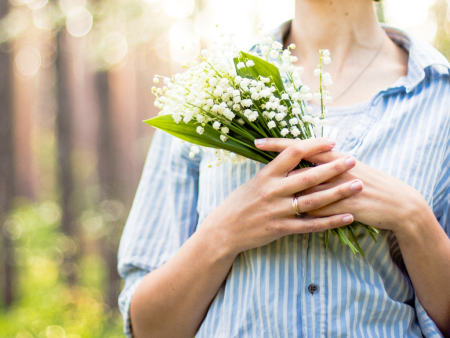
(365,68)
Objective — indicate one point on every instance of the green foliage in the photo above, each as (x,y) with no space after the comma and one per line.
(261,68)
(209,138)
(46,306)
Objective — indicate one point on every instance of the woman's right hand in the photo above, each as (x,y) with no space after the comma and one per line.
(260,211)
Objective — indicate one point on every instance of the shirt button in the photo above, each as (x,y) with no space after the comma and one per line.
(312,288)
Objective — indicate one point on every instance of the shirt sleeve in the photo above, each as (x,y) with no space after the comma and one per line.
(441,209)
(163,215)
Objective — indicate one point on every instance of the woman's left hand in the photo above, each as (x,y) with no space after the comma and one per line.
(385,202)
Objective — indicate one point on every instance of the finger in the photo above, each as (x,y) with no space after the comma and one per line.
(298,171)
(293,184)
(302,225)
(325,197)
(280,144)
(326,157)
(331,183)
(290,157)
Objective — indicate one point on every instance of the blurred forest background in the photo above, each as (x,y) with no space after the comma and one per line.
(75,85)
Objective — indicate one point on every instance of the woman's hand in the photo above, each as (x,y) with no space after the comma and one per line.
(386,202)
(260,211)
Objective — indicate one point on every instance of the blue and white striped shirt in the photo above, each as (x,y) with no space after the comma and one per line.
(404,131)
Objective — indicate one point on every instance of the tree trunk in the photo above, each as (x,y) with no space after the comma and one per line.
(7,160)
(65,145)
(109,183)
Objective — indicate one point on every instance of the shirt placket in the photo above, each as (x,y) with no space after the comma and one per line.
(315,286)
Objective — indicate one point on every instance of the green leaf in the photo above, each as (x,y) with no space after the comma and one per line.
(210,137)
(262,68)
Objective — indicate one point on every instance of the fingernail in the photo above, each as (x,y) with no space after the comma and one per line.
(350,161)
(356,186)
(347,219)
(260,141)
(331,142)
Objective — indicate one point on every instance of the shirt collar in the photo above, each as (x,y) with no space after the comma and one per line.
(421,54)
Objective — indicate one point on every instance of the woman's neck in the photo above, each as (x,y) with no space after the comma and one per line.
(345,27)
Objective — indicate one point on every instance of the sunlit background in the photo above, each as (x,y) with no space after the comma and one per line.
(75,85)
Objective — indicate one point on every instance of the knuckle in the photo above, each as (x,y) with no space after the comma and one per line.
(310,203)
(267,194)
(338,166)
(332,223)
(311,226)
(296,150)
(341,192)
(280,229)
(309,178)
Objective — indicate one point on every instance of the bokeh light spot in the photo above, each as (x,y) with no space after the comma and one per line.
(24,334)
(28,61)
(114,48)
(79,22)
(55,331)
(37,4)
(68,6)
(42,18)
(184,40)
(179,9)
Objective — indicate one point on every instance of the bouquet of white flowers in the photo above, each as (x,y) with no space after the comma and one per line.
(231,98)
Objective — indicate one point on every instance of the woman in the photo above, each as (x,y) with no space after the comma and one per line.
(217,252)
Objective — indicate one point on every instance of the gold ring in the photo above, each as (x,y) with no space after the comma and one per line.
(295,206)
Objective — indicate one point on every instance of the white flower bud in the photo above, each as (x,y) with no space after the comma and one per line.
(327,99)
(284,132)
(284,96)
(204,53)
(277,45)
(223,138)
(271,124)
(200,130)
(216,125)
(304,89)
(225,130)
(253,117)
(326,52)
(273,54)
(295,132)
(316,72)
(155,80)
(317,96)
(280,116)
(293,121)
(250,63)
(326,60)
(191,154)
